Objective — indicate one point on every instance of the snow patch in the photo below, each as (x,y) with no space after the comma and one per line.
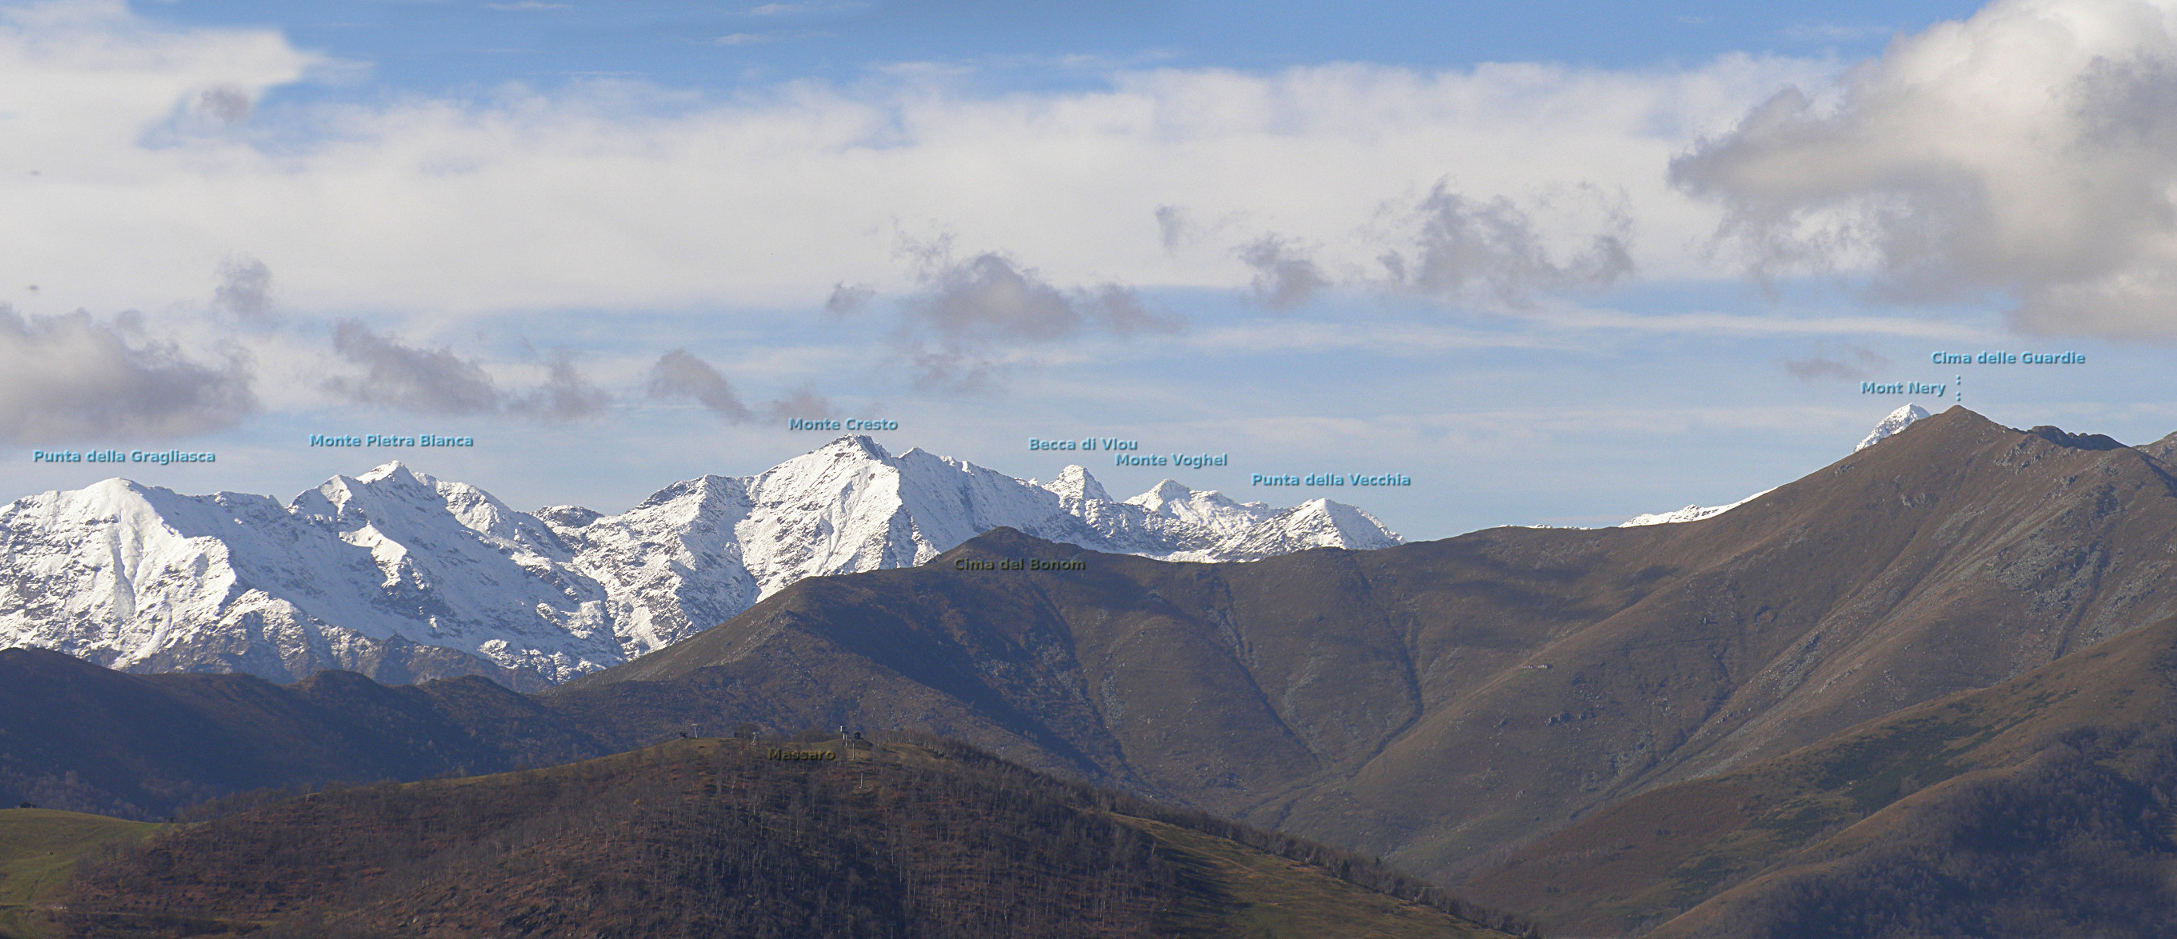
(1889,426)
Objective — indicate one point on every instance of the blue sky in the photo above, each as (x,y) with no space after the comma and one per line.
(1560,263)
(445,46)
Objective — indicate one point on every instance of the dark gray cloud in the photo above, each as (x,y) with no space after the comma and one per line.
(62,377)
(802,402)
(1467,251)
(227,104)
(1284,276)
(679,374)
(989,296)
(951,371)
(565,396)
(1120,310)
(245,288)
(1173,230)
(1853,364)
(969,314)
(2028,153)
(972,310)
(438,381)
(426,381)
(848,299)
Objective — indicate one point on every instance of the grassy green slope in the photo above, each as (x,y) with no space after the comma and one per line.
(38,850)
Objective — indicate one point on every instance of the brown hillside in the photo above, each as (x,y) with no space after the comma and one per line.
(2039,807)
(1437,702)
(717,838)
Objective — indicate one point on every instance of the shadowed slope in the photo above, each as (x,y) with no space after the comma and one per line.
(712,838)
(2041,806)
(1436,701)
(76,735)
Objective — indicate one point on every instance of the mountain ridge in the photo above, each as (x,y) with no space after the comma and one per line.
(1891,425)
(1440,700)
(394,572)
(1440,704)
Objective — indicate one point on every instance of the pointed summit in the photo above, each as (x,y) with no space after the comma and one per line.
(383,471)
(855,445)
(1206,509)
(392,479)
(1898,420)
(1164,493)
(1316,523)
(1074,485)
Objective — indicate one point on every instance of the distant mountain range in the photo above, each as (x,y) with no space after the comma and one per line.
(1436,702)
(1927,684)
(401,576)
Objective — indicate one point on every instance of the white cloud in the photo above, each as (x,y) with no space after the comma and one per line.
(1739,325)
(808,8)
(620,195)
(1831,31)
(2030,151)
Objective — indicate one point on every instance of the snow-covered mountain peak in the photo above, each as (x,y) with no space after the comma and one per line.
(391,469)
(1166,491)
(402,506)
(857,446)
(111,491)
(1074,485)
(1316,523)
(1889,426)
(1207,509)
(843,467)
(1346,526)
(112,500)
(382,483)
(701,489)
